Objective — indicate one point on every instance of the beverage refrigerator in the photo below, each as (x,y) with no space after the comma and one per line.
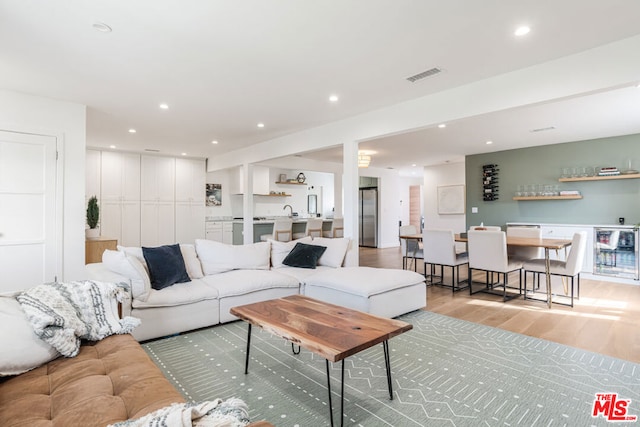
(616,252)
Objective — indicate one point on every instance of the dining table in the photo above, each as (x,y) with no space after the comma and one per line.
(534,242)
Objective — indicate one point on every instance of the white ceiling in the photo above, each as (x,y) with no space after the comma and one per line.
(224,66)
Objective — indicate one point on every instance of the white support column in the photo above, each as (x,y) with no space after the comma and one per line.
(338,195)
(247,203)
(350,190)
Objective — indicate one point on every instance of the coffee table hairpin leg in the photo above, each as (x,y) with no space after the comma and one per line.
(246,363)
(293,349)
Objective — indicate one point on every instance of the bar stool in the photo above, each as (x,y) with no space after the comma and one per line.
(281,231)
(313,229)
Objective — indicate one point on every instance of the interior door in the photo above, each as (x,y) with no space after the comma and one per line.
(28,249)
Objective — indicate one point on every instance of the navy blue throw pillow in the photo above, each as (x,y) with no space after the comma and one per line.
(166,266)
(304,256)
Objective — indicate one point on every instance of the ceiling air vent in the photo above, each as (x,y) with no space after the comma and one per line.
(152,150)
(424,74)
(543,129)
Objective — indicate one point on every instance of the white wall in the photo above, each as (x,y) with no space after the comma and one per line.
(435,176)
(319,183)
(223,177)
(22,112)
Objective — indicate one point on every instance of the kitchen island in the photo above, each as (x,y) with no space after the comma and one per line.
(264,225)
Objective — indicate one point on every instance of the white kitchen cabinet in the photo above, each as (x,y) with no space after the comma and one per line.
(157,194)
(227,232)
(261,181)
(120,176)
(158,223)
(214,231)
(121,220)
(120,197)
(158,176)
(190,224)
(220,231)
(191,178)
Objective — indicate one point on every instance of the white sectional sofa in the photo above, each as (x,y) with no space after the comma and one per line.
(223,276)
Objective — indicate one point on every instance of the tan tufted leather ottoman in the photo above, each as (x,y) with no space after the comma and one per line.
(109,381)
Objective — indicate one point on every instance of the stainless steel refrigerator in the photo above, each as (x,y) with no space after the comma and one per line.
(368,217)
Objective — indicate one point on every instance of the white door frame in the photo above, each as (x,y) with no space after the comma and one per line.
(58,188)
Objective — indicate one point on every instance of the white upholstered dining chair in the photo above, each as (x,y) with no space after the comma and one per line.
(524,253)
(488,252)
(439,248)
(566,269)
(410,248)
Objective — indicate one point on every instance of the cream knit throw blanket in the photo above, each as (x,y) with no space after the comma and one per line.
(216,413)
(63,313)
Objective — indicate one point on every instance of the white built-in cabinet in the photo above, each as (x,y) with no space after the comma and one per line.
(190,181)
(147,200)
(120,197)
(157,195)
(220,231)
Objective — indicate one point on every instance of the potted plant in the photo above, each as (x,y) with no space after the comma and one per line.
(93,215)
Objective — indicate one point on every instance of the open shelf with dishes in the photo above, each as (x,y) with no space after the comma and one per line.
(601,178)
(291,183)
(569,197)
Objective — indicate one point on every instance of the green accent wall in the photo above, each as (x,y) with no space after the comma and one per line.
(603,202)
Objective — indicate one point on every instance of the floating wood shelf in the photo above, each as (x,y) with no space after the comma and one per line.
(291,183)
(548,197)
(601,178)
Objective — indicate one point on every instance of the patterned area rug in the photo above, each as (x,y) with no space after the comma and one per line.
(446,372)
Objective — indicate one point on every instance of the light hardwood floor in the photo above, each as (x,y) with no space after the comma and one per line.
(605,320)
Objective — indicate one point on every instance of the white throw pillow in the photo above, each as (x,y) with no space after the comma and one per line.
(21,349)
(130,267)
(280,250)
(191,261)
(336,250)
(217,257)
(135,252)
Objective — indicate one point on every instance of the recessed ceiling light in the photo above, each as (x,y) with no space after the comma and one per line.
(333,98)
(638,85)
(442,125)
(414,165)
(164,106)
(260,125)
(112,146)
(489,142)
(521,31)
(214,142)
(102,27)
(184,154)
(132,131)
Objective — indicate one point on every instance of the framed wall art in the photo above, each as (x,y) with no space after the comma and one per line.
(214,194)
(451,200)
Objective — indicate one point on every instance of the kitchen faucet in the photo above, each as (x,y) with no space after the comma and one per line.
(290,210)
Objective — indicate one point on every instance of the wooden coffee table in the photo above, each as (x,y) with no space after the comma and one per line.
(328,330)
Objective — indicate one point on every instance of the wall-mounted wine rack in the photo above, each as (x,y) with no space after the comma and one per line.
(490,182)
